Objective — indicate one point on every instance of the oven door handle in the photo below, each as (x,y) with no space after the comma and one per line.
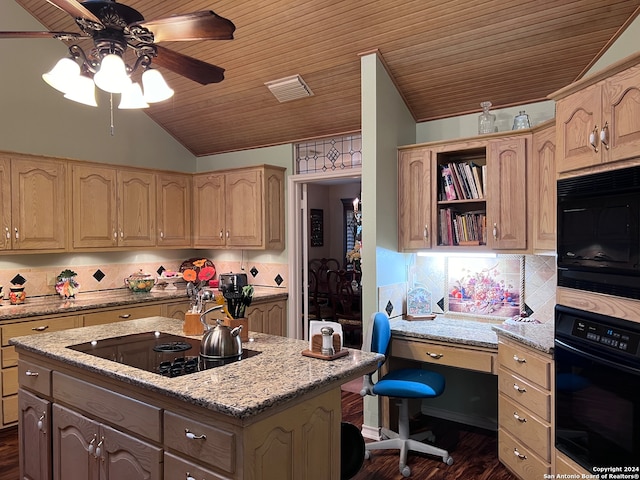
(595,358)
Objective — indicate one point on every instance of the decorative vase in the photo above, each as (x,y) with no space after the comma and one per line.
(486,120)
(17,295)
(521,121)
(67,287)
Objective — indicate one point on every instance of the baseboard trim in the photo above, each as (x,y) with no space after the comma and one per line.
(473,420)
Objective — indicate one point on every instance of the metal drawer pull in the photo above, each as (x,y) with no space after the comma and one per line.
(593,136)
(92,447)
(99,449)
(29,373)
(189,477)
(604,135)
(192,436)
(40,329)
(519,455)
(41,423)
(125,315)
(519,360)
(435,355)
(519,389)
(519,418)
(426,232)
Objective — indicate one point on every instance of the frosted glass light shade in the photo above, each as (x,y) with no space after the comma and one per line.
(112,76)
(62,75)
(83,90)
(155,87)
(132,97)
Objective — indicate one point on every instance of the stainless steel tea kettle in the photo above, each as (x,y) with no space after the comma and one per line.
(220,341)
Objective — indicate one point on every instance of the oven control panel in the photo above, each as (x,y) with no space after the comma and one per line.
(616,338)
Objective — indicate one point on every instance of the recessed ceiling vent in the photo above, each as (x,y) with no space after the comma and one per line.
(289,88)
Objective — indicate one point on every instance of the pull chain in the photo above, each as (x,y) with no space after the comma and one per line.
(111,127)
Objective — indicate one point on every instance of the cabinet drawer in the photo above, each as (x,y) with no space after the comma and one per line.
(10,410)
(114,408)
(444,355)
(37,326)
(34,377)
(520,459)
(216,447)
(175,467)
(9,381)
(525,363)
(525,426)
(525,393)
(9,357)
(122,314)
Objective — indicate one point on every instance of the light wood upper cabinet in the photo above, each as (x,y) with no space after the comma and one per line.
(543,191)
(599,123)
(173,210)
(507,194)
(5,203)
(241,208)
(415,202)
(36,200)
(113,207)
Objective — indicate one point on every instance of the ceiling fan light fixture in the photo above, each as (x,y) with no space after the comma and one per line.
(289,88)
(112,76)
(82,90)
(155,86)
(132,98)
(62,75)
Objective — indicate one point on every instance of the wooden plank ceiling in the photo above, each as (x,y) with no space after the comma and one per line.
(445,57)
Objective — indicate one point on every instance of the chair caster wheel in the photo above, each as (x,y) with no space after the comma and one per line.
(367,454)
(448,460)
(405,471)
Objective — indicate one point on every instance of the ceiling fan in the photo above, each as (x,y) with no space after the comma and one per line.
(115,27)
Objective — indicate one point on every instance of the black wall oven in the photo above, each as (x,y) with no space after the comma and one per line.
(597,389)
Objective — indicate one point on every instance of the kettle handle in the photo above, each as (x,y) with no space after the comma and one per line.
(204,314)
(236,331)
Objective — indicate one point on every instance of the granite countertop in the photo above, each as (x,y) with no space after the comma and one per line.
(464,331)
(243,389)
(54,305)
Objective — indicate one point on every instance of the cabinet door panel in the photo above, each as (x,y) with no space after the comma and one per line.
(621,104)
(174,210)
(124,456)
(209,210)
(544,190)
(35,437)
(39,207)
(94,206)
(414,206)
(507,196)
(75,440)
(137,209)
(244,208)
(5,204)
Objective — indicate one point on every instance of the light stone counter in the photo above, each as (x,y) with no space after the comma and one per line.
(54,305)
(463,331)
(242,389)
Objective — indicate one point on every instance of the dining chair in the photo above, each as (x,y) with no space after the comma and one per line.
(346,303)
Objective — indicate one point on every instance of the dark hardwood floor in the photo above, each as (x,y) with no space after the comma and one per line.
(474,452)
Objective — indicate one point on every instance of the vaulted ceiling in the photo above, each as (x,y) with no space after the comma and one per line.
(445,57)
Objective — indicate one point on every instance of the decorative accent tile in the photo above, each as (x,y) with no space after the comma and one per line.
(440,304)
(526,309)
(160,270)
(278,279)
(254,272)
(389,308)
(18,280)
(99,275)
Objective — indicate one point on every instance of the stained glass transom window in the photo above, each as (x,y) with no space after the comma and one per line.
(329,154)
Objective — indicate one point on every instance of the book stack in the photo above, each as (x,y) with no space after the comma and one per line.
(462,228)
(462,181)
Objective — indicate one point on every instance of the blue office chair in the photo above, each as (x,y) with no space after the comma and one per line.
(402,384)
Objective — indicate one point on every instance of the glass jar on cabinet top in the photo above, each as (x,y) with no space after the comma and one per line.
(486,120)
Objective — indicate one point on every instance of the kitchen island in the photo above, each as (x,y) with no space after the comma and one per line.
(273,415)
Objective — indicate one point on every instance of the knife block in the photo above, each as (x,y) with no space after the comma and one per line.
(192,324)
(237,322)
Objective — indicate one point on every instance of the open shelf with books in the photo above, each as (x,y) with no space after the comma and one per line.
(461,197)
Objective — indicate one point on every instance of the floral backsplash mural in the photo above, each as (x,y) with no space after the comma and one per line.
(484,286)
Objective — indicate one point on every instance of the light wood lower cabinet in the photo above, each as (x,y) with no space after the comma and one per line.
(566,466)
(121,314)
(268,317)
(524,410)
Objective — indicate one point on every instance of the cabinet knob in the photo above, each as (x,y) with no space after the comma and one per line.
(192,436)
(593,139)
(519,360)
(604,135)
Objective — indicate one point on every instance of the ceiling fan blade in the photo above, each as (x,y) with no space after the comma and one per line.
(75,9)
(204,25)
(189,67)
(57,35)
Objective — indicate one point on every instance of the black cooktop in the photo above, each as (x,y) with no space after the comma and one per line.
(157,352)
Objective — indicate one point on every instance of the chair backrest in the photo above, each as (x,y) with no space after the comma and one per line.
(381,335)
